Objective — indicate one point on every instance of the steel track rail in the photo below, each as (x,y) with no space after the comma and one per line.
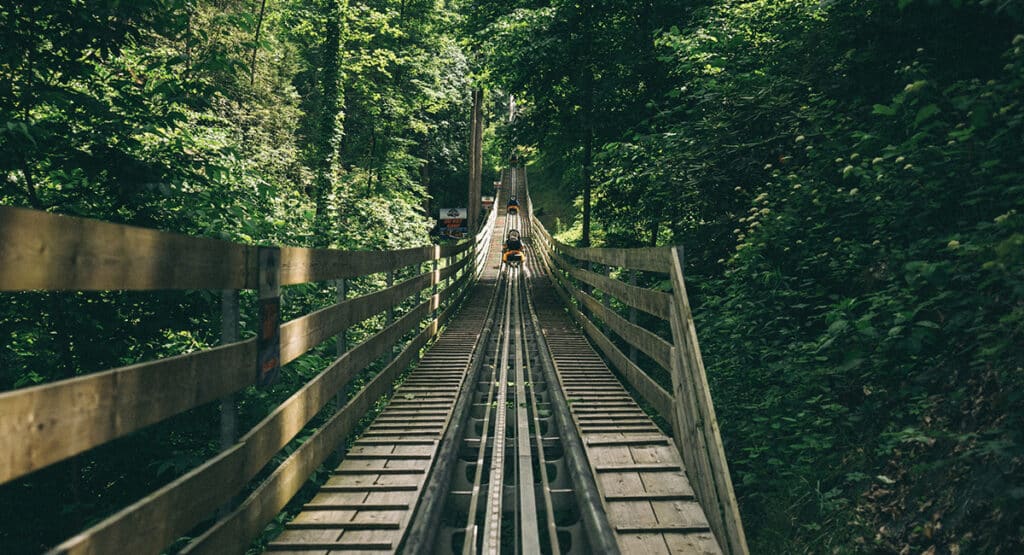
(369,499)
(592,512)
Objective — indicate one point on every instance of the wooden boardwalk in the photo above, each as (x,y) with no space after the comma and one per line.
(643,485)
(371,496)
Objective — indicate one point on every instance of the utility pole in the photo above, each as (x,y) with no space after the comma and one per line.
(475,158)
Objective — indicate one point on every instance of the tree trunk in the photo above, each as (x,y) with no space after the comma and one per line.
(329,132)
(256,43)
(588,147)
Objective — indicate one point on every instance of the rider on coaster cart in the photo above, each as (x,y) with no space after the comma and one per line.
(513,206)
(512,253)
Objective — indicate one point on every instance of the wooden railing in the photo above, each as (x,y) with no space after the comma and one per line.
(42,425)
(687,407)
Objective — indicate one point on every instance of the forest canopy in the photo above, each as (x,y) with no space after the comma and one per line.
(846,178)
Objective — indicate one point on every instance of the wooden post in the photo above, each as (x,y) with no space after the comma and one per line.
(475,160)
(447,264)
(268,336)
(391,312)
(229,321)
(434,266)
(606,300)
(229,332)
(632,317)
(696,428)
(341,342)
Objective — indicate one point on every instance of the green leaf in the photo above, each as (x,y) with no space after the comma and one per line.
(924,114)
(883,110)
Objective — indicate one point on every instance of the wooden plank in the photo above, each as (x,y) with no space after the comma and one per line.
(458,248)
(652,302)
(39,250)
(722,508)
(642,543)
(302,334)
(657,348)
(449,271)
(648,259)
(656,259)
(685,513)
(47,423)
(631,514)
(236,531)
(302,265)
(644,384)
(692,543)
(660,529)
(174,509)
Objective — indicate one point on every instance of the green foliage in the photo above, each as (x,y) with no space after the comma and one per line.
(332,129)
(846,178)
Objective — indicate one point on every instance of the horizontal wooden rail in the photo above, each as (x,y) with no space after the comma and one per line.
(651,259)
(235,532)
(175,508)
(655,347)
(50,252)
(644,384)
(302,334)
(51,422)
(655,303)
(47,423)
(457,248)
(301,265)
(689,407)
(43,251)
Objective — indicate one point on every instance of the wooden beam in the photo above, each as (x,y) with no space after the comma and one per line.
(647,259)
(234,533)
(302,334)
(43,251)
(48,423)
(657,348)
(174,509)
(302,265)
(697,434)
(655,303)
(644,384)
(657,259)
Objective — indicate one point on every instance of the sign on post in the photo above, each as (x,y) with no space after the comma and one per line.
(453,222)
(487,202)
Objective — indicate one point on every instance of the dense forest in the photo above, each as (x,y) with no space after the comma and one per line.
(847,179)
(320,123)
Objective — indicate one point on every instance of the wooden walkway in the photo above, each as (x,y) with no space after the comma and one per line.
(643,485)
(369,500)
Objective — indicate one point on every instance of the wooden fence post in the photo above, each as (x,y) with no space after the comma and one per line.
(390,282)
(268,336)
(229,320)
(434,279)
(341,342)
(229,332)
(632,317)
(695,424)
(606,299)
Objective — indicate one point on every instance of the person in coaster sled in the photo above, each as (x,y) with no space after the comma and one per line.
(513,206)
(512,251)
